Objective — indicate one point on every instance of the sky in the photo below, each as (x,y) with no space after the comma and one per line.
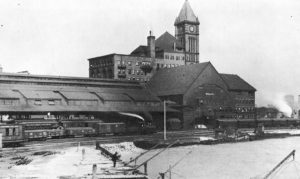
(257,39)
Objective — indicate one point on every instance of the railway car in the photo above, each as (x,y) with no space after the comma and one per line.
(109,128)
(79,132)
(31,135)
(12,134)
(38,124)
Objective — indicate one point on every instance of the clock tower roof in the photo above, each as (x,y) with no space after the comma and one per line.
(186,14)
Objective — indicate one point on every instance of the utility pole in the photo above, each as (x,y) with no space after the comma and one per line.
(165,121)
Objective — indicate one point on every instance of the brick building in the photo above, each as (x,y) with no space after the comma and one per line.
(166,51)
(203,95)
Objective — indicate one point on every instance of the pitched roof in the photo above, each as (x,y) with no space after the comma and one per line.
(166,42)
(234,82)
(140,51)
(22,88)
(186,14)
(175,80)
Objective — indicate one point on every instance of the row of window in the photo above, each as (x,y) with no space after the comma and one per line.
(9,102)
(138,79)
(71,102)
(39,102)
(131,72)
(245,109)
(101,63)
(10,131)
(166,65)
(135,72)
(129,63)
(172,57)
(251,116)
(245,101)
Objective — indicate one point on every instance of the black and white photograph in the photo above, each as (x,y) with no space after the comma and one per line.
(149,89)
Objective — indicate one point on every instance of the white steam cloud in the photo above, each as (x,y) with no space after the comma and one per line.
(280,103)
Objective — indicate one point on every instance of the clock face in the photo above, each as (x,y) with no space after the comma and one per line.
(192,28)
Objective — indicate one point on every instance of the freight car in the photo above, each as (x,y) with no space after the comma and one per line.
(109,128)
(43,134)
(12,134)
(252,123)
(79,132)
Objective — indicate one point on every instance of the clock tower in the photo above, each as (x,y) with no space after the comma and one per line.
(187,33)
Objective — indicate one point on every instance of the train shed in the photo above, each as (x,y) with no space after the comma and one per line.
(24,96)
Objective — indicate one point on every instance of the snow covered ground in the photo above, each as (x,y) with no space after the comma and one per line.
(232,160)
(67,162)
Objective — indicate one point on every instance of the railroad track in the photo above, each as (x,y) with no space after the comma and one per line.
(30,147)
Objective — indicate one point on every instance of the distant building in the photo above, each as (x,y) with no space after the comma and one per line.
(203,95)
(167,51)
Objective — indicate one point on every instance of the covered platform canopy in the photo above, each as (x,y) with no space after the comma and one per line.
(22,93)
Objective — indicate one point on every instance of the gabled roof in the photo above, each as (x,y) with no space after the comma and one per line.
(234,82)
(140,51)
(177,80)
(186,14)
(166,42)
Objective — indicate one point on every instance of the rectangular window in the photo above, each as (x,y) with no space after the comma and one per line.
(166,56)
(129,71)
(38,102)
(137,63)
(172,57)
(177,58)
(129,63)
(51,102)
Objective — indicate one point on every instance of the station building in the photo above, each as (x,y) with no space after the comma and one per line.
(23,96)
(203,95)
(167,51)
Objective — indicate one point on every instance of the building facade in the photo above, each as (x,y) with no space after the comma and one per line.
(204,95)
(167,51)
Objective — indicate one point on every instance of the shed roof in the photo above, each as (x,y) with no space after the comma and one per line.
(32,94)
(113,96)
(8,94)
(78,95)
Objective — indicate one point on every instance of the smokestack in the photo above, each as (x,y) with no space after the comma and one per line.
(1,69)
(151,45)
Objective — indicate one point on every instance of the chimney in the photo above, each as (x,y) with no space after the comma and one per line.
(151,46)
(1,69)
